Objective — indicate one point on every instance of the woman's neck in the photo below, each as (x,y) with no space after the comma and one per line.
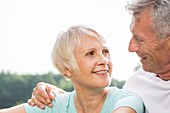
(90,102)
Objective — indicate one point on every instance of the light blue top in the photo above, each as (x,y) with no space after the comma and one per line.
(64,103)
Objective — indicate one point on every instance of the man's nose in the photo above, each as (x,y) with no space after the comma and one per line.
(133,46)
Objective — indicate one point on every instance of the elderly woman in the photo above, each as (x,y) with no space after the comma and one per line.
(81,55)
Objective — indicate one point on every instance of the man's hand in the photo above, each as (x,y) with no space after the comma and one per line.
(43,94)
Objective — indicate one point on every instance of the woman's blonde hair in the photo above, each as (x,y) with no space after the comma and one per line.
(63,54)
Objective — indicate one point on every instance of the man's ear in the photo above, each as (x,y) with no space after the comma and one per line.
(169,43)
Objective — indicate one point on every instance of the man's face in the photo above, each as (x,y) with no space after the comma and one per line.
(154,52)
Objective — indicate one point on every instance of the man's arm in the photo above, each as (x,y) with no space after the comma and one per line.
(43,94)
(15,109)
(124,110)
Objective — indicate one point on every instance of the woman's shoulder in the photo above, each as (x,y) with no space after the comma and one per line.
(60,98)
(120,97)
(117,92)
(62,101)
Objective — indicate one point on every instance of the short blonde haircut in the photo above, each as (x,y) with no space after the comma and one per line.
(63,54)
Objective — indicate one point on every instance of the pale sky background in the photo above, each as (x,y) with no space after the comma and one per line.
(28,29)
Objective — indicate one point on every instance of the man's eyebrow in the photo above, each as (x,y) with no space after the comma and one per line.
(163,2)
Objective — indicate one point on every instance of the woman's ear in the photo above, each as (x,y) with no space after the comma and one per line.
(68,72)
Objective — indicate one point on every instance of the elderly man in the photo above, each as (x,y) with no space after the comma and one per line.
(150,28)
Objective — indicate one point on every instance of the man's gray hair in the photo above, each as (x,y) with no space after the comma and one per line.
(160,14)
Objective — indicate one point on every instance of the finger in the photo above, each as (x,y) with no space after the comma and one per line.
(39,98)
(37,103)
(43,93)
(52,94)
(50,105)
(30,102)
(61,91)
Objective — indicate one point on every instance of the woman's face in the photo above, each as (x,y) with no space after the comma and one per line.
(94,62)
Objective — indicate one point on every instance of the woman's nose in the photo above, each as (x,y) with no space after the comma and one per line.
(102,60)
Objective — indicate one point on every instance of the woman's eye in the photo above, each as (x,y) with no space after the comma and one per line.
(90,53)
(106,51)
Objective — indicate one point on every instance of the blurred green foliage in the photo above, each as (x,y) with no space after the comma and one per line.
(16,89)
